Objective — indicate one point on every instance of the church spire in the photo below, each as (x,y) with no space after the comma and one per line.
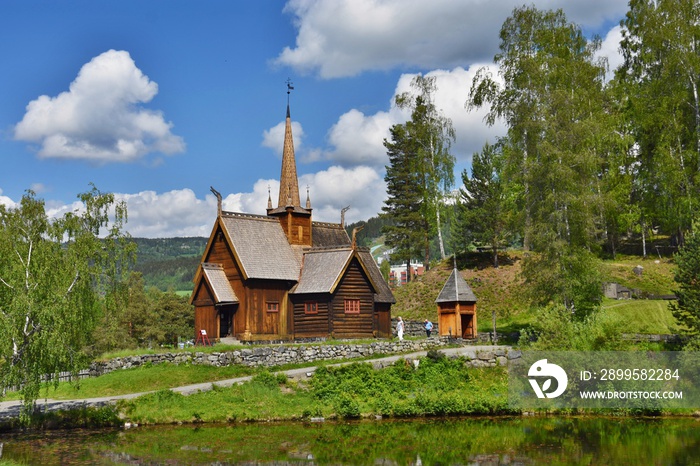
(289,183)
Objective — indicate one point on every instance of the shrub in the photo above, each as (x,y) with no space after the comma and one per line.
(269,380)
(347,407)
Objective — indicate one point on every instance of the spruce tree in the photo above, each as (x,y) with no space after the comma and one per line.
(403,203)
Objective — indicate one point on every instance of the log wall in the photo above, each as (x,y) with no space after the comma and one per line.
(354,285)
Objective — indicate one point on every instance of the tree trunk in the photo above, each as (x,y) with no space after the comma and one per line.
(426,261)
(439,231)
(528,221)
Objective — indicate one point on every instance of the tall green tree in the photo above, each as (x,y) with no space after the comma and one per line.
(552,101)
(484,208)
(55,278)
(433,136)
(407,229)
(661,72)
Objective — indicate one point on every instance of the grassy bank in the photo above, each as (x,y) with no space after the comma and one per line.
(145,378)
(438,386)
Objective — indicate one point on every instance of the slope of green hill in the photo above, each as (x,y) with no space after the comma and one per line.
(502,290)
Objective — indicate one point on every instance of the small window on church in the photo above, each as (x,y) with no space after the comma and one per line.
(352,306)
(311,307)
(273,306)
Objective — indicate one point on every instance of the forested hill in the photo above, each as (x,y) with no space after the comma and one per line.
(371,230)
(169,263)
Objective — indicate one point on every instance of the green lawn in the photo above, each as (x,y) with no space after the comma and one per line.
(141,379)
(639,315)
(643,315)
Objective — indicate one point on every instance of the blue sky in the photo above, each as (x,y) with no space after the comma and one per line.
(157,100)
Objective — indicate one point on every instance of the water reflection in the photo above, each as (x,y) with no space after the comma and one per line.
(481,441)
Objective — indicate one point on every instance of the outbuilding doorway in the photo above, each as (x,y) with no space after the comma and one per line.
(467,325)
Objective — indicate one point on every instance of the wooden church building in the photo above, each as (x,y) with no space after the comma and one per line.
(282,276)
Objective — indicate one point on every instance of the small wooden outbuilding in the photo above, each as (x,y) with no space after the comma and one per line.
(456,306)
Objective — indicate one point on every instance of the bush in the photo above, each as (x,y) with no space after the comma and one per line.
(269,380)
(557,329)
(347,407)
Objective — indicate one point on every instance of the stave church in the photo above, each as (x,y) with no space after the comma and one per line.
(284,277)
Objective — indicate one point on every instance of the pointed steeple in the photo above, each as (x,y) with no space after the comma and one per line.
(289,183)
(295,219)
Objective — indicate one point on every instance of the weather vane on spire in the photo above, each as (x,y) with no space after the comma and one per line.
(290,88)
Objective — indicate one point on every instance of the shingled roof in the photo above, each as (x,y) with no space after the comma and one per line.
(322,270)
(456,289)
(261,247)
(329,235)
(384,294)
(218,283)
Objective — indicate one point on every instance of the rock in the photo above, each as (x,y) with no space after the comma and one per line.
(515,354)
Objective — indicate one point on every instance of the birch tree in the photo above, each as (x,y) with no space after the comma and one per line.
(57,278)
(550,96)
(661,48)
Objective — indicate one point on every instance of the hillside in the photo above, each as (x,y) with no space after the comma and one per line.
(499,290)
(502,290)
(169,263)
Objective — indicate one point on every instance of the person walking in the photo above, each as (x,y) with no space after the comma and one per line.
(428,327)
(400,328)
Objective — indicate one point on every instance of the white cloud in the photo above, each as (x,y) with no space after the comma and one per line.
(38,188)
(610,49)
(173,213)
(99,118)
(362,188)
(357,139)
(255,202)
(7,202)
(338,38)
(181,213)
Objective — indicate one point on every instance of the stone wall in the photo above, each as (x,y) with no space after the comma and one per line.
(267,356)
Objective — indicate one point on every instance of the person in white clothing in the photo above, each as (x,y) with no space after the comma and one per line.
(399,329)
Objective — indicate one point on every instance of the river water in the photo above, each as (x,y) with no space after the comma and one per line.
(472,441)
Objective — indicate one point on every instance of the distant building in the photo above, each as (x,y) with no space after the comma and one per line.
(617,291)
(282,276)
(397,274)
